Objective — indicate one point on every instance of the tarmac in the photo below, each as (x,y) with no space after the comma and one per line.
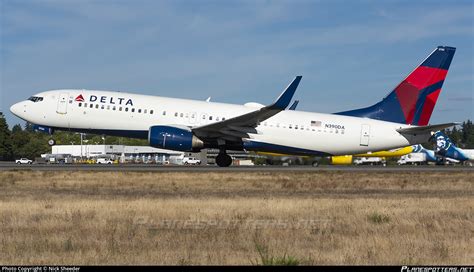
(5,166)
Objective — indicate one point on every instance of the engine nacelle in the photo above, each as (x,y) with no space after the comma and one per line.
(44,129)
(173,138)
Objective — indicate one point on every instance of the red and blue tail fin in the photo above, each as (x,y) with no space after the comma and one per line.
(413,100)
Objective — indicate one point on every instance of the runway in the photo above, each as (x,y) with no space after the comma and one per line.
(5,166)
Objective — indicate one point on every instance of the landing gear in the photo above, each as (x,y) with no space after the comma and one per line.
(51,142)
(223,160)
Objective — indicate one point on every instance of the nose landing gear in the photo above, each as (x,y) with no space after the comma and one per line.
(51,142)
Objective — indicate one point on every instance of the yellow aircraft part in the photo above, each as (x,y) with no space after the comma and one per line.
(389,153)
(347,159)
(341,160)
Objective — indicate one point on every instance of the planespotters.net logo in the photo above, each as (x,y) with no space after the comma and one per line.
(437,268)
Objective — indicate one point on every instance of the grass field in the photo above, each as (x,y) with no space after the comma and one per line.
(236,218)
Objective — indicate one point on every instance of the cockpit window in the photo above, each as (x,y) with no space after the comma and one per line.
(35,99)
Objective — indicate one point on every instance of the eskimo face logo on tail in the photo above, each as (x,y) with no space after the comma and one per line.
(79,98)
(441,142)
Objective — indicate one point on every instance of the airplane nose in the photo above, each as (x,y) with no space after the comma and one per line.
(16,109)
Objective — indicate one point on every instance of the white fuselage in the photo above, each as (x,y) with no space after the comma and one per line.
(126,112)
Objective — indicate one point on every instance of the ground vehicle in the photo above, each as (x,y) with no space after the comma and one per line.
(412,158)
(191,161)
(23,161)
(370,161)
(104,161)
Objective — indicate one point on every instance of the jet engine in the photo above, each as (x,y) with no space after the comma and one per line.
(173,138)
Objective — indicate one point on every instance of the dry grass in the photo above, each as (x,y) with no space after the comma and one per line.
(236,218)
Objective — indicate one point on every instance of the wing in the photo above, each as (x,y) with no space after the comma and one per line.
(239,127)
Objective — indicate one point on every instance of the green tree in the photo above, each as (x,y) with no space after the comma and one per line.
(6,148)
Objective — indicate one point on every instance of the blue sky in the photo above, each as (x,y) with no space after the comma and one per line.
(350,53)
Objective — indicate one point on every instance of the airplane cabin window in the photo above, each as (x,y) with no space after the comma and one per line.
(114,108)
(175,114)
(151,111)
(102,107)
(223,118)
(133,109)
(96,106)
(144,111)
(91,106)
(80,104)
(210,117)
(120,108)
(139,110)
(181,115)
(85,105)
(164,112)
(126,109)
(108,107)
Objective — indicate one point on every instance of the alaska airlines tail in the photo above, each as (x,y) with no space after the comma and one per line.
(413,100)
(446,148)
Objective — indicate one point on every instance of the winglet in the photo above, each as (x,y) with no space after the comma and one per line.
(285,97)
(293,106)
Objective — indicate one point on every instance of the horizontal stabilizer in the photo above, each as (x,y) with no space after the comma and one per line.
(425,129)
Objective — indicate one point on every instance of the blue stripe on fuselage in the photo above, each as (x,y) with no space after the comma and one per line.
(281,149)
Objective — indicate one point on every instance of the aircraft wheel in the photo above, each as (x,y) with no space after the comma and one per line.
(315,164)
(223,160)
(51,142)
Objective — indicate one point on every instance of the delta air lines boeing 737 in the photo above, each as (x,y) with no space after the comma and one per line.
(399,120)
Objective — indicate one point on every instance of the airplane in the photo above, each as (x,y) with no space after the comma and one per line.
(430,155)
(399,120)
(448,150)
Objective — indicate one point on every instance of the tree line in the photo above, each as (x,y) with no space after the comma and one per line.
(25,142)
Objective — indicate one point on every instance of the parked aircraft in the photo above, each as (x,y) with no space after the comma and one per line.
(399,120)
(446,149)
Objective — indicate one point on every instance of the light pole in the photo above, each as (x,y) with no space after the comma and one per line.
(81,146)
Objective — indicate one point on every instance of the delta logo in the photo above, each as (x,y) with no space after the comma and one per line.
(79,98)
(106,100)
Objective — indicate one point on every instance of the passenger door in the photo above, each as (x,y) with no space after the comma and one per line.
(365,135)
(62,103)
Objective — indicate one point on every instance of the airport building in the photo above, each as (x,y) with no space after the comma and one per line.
(143,154)
(121,152)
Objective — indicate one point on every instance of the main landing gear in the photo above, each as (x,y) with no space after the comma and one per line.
(223,160)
